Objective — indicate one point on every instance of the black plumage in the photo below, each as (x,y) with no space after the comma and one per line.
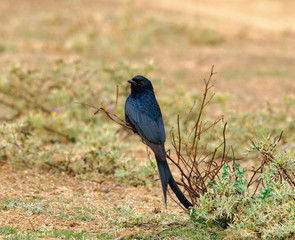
(143,113)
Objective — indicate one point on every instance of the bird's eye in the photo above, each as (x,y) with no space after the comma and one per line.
(138,81)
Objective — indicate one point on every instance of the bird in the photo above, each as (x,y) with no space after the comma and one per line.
(143,114)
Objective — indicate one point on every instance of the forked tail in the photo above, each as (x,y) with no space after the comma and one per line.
(167,178)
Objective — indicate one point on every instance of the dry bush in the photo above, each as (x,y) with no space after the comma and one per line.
(224,195)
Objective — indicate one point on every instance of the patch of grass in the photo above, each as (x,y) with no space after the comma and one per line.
(187,232)
(35,206)
(124,216)
(16,234)
(63,208)
(7,230)
(85,213)
(174,231)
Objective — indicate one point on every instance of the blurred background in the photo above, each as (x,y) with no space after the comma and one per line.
(55,54)
(251,43)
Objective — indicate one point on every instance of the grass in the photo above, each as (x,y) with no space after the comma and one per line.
(13,233)
(176,232)
(121,217)
(90,177)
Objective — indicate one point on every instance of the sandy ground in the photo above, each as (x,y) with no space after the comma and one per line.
(58,194)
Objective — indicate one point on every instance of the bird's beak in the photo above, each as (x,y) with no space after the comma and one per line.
(132,82)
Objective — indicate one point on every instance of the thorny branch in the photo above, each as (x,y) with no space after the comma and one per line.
(114,117)
(268,157)
(203,104)
(198,168)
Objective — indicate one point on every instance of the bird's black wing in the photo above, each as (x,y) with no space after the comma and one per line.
(148,128)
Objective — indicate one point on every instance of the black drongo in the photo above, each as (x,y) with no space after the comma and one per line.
(143,113)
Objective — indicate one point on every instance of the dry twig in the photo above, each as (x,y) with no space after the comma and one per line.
(198,168)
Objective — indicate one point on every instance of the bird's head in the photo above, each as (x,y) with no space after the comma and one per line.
(140,83)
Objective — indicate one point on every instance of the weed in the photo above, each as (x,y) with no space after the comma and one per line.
(229,203)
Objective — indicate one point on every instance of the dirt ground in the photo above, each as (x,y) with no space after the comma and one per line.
(255,65)
(67,194)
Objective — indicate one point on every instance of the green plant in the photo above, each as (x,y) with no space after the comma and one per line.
(232,203)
